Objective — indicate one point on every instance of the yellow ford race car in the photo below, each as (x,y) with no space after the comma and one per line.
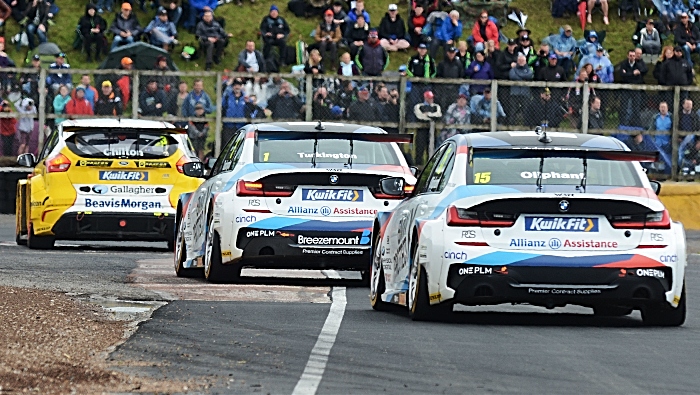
(104,179)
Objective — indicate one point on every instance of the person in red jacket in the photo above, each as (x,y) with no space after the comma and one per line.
(483,31)
(79,105)
(124,82)
(8,129)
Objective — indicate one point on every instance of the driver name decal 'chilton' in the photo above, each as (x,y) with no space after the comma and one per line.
(122,152)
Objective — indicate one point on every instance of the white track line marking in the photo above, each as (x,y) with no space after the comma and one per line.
(313,372)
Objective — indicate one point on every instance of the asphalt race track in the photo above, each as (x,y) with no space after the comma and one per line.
(286,335)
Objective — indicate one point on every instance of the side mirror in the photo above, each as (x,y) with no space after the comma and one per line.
(392,186)
(193,169)
(655,186)
(26,160)
(210,163)
(414,170)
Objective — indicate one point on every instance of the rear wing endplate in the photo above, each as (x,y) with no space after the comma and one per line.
(313,135)
(564,152)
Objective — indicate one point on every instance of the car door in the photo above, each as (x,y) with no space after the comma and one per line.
(199,205)
(401,225)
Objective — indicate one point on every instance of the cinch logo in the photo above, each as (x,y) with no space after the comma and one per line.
(561,224)
(110,175)
(458,255)
(333,195)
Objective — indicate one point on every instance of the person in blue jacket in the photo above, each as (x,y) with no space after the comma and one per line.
(197,96)
(233,105)
(601,65)
(479,70)
(564,45)
(448,34)
(197,7)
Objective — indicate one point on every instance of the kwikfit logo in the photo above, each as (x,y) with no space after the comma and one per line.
(335,195)
(561,224)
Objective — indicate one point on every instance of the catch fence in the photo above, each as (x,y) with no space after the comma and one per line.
(634,114)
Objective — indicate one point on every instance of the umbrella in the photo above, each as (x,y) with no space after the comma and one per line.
(144,56)
(47,49)
(582,14)
(517,16)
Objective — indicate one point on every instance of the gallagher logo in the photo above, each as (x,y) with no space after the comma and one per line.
(332,195)
(111,175)
(561,224)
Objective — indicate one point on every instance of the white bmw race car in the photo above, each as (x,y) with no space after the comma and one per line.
(289,195)
(547,219)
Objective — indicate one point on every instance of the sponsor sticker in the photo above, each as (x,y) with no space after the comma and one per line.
(551,174)
(122,152)
(152,164)
(332,195)
(125,203)
(669,258)
(650,273)
(243,219)
(470,270)
(435,297)
(457,255)
(561,224)
(94,163)
(563,291)
(303,155)
(119,175)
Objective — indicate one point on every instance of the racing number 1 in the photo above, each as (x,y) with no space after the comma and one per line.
(266,156)
(482,178)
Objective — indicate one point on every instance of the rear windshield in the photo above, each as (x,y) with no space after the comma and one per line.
(123,144)
(327,151)
(555,171)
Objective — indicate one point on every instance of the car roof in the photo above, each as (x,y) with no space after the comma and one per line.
(311,127)
(531,139)
(116,123)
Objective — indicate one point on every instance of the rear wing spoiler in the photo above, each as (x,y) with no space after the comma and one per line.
(165,129)
(314,135)
(563,152)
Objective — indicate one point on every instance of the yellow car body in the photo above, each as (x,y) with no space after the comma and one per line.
(104,179)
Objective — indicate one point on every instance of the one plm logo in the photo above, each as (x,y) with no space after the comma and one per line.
(332,195)
(554,243)
(561,224)
(111,175)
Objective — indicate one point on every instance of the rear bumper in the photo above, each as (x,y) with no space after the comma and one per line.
(115,226)
(556,286)
(270,249)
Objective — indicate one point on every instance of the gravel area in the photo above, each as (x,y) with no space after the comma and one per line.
(52,344)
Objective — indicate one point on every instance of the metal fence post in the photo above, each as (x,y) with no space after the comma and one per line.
(494,105)
(309,88)
(135,91)
(42,106)
(218,125)
(585,109)
(403,81)
(674,131)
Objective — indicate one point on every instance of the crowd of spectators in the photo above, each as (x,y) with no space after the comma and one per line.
(350,42)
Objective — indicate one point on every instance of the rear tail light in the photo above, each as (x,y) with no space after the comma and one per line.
(256,188)
(463,217)
(407,191)
(653,220)
(58,164)
(181,162)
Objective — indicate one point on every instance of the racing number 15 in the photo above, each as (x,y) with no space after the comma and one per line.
(482,178)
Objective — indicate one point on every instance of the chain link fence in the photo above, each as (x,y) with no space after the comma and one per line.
(644,117)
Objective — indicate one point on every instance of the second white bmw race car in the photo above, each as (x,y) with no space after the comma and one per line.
(295,195)
(548,219)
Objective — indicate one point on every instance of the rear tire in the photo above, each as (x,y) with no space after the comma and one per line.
(377,285)
(419,307)
(35,242)
(214,270)
(180,254)
(665,315)
(19,220)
